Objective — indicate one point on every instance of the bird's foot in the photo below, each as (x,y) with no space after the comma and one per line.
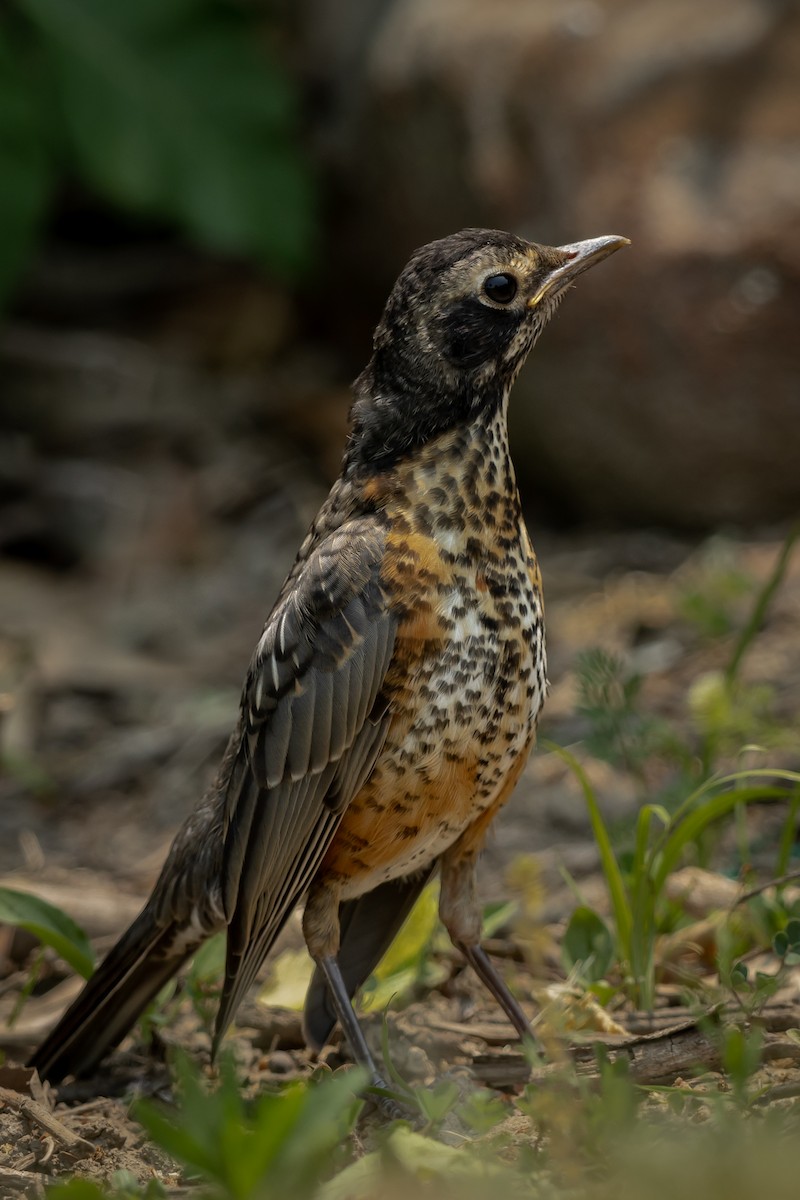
(384,1097)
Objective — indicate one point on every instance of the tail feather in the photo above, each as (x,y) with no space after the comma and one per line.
(130,976)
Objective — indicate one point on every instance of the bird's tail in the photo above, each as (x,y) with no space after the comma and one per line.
(130,976)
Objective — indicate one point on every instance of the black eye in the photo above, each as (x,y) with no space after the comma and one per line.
(500,288)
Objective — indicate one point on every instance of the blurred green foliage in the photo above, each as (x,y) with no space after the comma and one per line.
(246,1150)
(178,110)
(587,946)
(619,730)
(50,925)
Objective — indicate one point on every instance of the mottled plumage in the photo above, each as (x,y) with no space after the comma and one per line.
(392,699)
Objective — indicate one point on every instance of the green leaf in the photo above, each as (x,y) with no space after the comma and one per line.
(702,809)
(179,110)
(603,991)
(289,979)
(588,944)
(767,985)
(435,1102)
(253,1150)
(741,1054)
(496,915)
(403,964)
(643,905)
(208,963)
(763,601)
(50,925)
(482,1110)
(620,901)
(25,167)
(410,1164)
(76,1189)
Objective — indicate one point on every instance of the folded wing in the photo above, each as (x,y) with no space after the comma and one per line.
(314,719)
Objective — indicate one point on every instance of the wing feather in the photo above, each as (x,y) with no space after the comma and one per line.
(321,727)
(308,742)
(339,725)
(304,703)
(272,747)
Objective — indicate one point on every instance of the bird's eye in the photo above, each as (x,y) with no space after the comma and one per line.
(501,288)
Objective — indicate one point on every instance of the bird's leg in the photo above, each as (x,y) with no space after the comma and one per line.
(485,969)
(461,916)
(347,1017)
(321,931)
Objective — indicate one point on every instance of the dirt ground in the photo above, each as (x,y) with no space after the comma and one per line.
(119,685)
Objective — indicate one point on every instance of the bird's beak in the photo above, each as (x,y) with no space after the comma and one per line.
(576,258)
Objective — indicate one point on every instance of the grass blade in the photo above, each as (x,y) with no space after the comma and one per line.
(689,828)
(763,600)
(620,901)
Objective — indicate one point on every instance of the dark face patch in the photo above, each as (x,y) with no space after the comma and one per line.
(471,333)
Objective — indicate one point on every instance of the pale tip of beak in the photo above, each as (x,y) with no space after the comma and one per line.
(580,256)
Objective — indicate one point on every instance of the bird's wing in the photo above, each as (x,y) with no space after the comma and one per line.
(313,723)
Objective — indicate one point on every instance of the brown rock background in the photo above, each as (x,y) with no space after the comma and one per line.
(671,392)
(668,392)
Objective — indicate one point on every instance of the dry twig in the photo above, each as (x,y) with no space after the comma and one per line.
(77,1146)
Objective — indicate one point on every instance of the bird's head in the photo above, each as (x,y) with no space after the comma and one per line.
(457,327)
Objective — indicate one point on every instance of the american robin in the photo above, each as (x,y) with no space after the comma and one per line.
(392,699)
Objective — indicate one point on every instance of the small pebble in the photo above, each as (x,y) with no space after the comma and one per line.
(281,1063)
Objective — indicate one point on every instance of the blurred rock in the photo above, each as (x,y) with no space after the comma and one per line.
(669,390)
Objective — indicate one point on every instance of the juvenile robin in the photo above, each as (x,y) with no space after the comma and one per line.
(392,699)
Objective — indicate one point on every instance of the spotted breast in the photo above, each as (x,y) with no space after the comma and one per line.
(469,671)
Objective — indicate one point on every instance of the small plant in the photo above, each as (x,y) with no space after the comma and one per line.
(619,731)
(741,1058)
(121,1187)
(290,1139)
(50,925)
(179,110)
(587,946)
(637,893)
(203,980)
(724,711)
(430,1104)
(712,596)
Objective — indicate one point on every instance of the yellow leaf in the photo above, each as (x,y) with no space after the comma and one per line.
(406,961)
(415,934)
(288,983)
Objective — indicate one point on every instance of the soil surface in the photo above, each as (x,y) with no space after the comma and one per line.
(119,687)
